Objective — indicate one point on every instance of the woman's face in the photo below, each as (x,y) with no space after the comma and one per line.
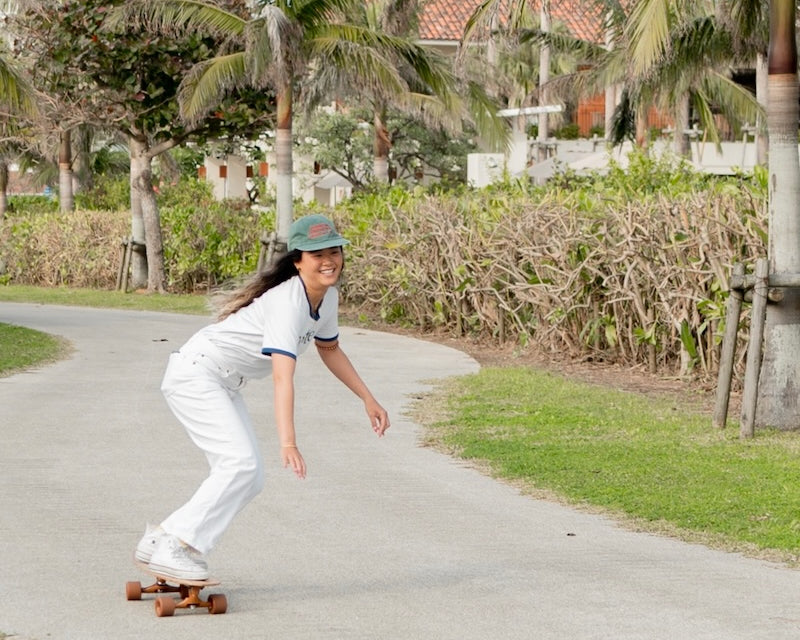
(320,269)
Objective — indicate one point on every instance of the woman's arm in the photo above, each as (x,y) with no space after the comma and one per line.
(283,380)
(340,366)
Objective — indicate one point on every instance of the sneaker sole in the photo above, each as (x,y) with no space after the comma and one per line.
(166,572)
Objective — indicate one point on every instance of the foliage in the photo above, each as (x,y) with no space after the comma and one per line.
(109,193)
(123,78)
(343,142)
(27,203)
(208,242)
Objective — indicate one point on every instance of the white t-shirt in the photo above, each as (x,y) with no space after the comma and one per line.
(278,321)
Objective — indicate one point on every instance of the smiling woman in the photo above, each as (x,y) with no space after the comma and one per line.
(22,348)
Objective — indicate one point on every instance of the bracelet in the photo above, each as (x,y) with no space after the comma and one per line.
(288,446)
(333,347)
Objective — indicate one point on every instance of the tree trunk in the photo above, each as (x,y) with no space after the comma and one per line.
(65,196)
(778,398)
(3,189)
(762,92)
(544,78)
(381,146)
(142,185)
(138,258)
(283,165)
(680,143)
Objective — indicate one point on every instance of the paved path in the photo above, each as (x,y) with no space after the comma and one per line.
(383,540)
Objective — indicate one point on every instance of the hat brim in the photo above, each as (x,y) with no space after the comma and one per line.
(322,243)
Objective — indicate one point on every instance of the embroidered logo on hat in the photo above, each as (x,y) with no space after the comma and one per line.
(318,230)
(314,232)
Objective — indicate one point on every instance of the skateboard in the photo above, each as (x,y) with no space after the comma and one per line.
(189,591)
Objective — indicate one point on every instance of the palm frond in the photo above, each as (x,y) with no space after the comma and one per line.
(15,92)
(648,31)
(267,40)
(480,20)
(207,84)
(483,114)
(737,104)
(175,16)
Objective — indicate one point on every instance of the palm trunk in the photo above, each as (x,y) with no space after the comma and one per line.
(65,195)
(680,143)
(381,146)
(3,189)
(283,165)
(762,89)
(544,77)
(778,400)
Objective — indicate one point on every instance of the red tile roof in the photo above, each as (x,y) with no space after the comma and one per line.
(444,20)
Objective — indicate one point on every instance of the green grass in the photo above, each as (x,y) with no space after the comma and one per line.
(192,304)
(22,348)
(648,461)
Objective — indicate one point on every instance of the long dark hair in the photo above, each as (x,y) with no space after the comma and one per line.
(280,271)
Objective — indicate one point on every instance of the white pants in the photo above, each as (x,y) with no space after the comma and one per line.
(206,398)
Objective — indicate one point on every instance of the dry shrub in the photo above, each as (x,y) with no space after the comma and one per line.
(641,284)
(75,249)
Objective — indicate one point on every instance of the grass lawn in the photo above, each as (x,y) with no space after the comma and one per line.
(651,463)
(22,348)
(648,462)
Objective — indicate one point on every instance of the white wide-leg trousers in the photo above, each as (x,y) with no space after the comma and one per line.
(206,398)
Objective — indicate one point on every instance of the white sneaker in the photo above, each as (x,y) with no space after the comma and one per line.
(173,559)
(144,550)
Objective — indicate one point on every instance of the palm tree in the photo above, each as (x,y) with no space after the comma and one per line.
(664,53)
(16,103)
(778,402)
(437,104)
(681,52)
(276,48)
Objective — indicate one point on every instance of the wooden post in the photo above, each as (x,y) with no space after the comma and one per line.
(754,348)
(123,250)
(127,264)
(734,310)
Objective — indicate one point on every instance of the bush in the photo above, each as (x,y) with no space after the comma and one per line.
(49,249)
(631,267)
(207,242)
(110,193)
(632,271)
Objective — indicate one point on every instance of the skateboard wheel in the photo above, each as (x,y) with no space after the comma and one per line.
(165,606)
(133,590)
(218,603)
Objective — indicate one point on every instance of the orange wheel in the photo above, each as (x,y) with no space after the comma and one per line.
(165,606)
(218,602)
(133,590)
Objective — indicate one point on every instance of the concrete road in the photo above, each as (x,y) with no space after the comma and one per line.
(383,540)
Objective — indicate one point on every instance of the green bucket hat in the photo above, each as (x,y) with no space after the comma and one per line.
(314,232)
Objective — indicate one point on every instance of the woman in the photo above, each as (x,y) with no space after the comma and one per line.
(261,329)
